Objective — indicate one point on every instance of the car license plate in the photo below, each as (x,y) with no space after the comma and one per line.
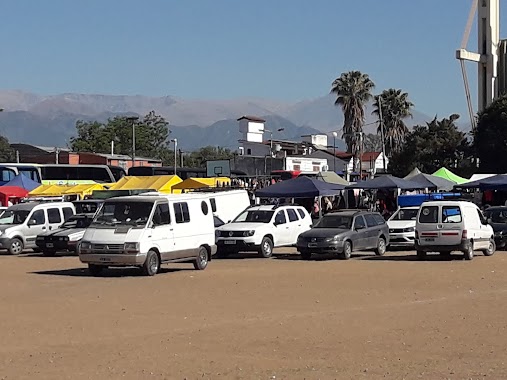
(105,259)
(49,245)
(230,242)
(312,244)
(429,239)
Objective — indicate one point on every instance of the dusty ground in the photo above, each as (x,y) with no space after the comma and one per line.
(390,317)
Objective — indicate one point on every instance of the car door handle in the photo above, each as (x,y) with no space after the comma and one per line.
(43,228)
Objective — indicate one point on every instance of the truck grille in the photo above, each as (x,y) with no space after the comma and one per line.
(396,230)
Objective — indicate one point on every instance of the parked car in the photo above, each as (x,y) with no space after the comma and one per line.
(447,226)
(149,230)
(261,228)
(87,206)
(497,218)
(65,238)
(343,232)
(402,227)
(21,223)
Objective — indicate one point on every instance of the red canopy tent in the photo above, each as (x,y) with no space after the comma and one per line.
(12,193)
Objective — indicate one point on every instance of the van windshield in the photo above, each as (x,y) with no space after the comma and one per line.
(14,216)
(123,213)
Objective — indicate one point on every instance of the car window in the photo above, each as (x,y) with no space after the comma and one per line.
(181,212)
(67,213)
(161,215)
(39,217)
(370,220)
(301,213)
(429,214)
(359,223)
(379,219)
(54,215)
(280,217)
(292,215)
(451,214)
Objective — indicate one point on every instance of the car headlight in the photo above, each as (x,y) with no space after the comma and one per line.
(409,229)
(131,247)
(248,233)
(218,233)
(39,238)
(85,245)
(334,238)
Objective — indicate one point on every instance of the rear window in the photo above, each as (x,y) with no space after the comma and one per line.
(301,213)
(370,220)
(379,219)
(429,214)
(451,214)
(292,215)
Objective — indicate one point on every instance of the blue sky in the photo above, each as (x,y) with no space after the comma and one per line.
(284,49)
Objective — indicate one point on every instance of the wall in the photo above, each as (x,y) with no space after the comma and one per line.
(256,166)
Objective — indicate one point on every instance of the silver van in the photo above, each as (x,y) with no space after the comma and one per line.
(21,223)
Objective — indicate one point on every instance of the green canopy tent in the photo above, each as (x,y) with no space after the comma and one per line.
(447,174)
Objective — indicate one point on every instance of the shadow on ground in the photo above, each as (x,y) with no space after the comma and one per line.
(110,272)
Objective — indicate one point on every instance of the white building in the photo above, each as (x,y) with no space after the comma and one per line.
(372,163)
(252,139)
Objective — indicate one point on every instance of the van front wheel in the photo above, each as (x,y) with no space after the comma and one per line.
(152,264)
(16,246)
(491,248)
(202,259)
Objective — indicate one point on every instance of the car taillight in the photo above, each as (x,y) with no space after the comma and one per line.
(464,235)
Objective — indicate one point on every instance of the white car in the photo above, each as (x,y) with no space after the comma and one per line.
(261,228)
(402,227)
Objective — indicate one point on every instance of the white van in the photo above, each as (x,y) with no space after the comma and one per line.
(446,226)
(21,223)
(149,230)
(228,204)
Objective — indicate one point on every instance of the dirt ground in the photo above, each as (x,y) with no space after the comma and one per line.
(281,318)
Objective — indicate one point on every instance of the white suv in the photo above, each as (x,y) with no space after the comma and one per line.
(261,228)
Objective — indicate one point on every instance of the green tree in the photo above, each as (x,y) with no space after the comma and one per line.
(429,147)
(353,90)
(394,107)
(490,140)
(208,153)
(7,154)
(151,136)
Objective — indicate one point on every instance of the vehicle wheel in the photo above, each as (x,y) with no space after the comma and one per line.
(347,250)
(95,270)
(266,249)
(469,251)
(202,259)
(421,255)
(491,249)
(16,246)
(48,253)
(305,255)
(152,264)
(381,247)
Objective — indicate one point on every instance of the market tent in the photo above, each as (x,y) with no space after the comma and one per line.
(447,174)
(433,182)
(49,191)
(199,183)
(300,187)
(332,177)
(478,177)
(160,183)
(83,190)
(24,182)
(413,173)
(498,181)
(387,182)
(7,192)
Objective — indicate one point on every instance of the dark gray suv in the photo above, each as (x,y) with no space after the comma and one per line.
(343,232)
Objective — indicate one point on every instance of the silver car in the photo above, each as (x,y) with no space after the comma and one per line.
(343,232)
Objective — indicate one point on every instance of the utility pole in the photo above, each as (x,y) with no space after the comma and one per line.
(175,141)
(133,119)
(181,157)
(382,133)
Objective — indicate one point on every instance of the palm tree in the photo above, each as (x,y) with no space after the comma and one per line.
(394,107)
(353,90)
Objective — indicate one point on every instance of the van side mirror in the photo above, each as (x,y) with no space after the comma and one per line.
(32,222)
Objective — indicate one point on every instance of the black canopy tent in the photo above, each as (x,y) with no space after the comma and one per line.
(300,187)
(497,182)
(432,182)
(387,182)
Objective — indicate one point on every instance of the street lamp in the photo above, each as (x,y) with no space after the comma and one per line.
(271,144)
(133,119)
(175,141)
(334,151)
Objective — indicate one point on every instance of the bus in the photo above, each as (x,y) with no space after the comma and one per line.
(62,174)
(183,173)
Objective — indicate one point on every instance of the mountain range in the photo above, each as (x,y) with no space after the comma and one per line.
(49,120)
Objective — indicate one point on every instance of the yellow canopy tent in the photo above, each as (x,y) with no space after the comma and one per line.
(83,190)
(161,183)
(199,183)
(48,191)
